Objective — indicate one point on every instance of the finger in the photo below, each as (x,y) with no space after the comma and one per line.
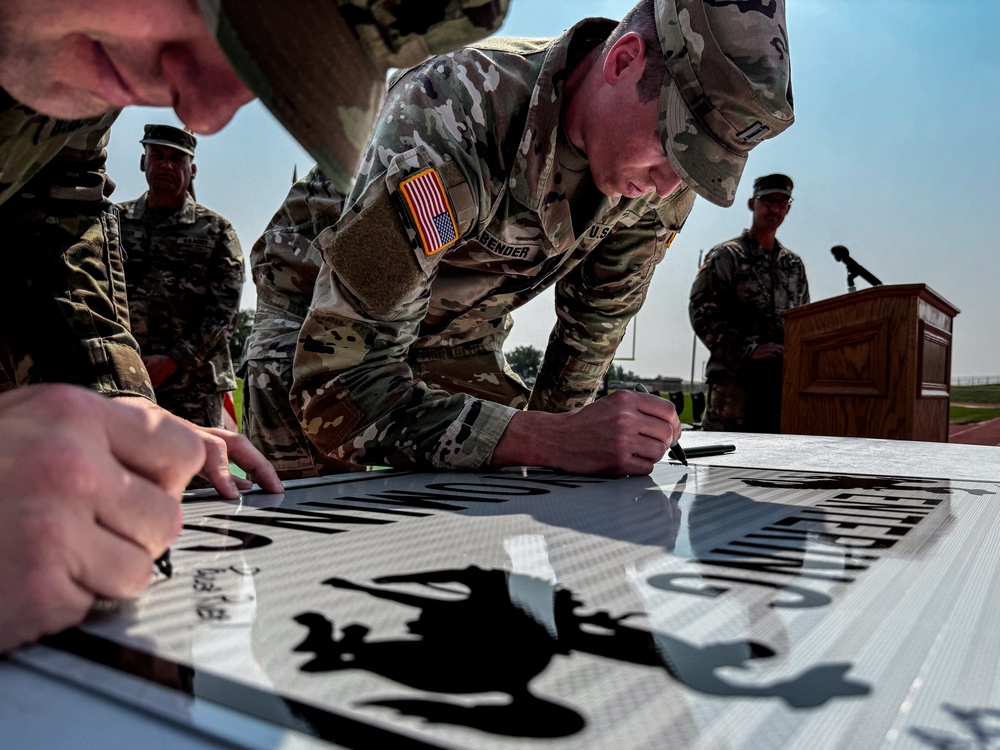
(111,566)
(216,467)
(56,603)
(38,592)
(650,448)
(632,466)
(654,406)
(154,444)
(243,453)
(665,431)
(138,511)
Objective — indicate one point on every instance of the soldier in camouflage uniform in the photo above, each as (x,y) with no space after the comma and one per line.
(64,315)
(94,527)
(184,274)
(493,174)
(735,308)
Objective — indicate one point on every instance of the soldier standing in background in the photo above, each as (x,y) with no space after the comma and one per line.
(184,276)
(495,173)
(735,308)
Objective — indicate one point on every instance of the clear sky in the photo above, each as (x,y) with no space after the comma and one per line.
(895,153)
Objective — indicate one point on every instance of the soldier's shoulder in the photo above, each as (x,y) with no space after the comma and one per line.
(794,256)
(492,66)
(206,214)
(728,250)
(127,209)
(517,46)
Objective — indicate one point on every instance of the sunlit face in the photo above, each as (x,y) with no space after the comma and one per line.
(73,59)
(621,134)
(168,172)
(769,211)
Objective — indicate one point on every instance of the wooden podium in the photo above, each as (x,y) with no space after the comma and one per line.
(874,363)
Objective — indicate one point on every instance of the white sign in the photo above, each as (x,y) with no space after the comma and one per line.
(707,606)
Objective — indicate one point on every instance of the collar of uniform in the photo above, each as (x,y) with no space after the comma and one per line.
(532,172)
(754,247)
(186,214)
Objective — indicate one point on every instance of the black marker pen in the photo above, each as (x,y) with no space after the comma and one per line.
(700,451)
(676,452)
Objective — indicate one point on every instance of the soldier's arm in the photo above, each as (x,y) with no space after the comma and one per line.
(211,320)
(710,310)
(628,432)
(354,393)
(596,302)
(66,241)
(804,286)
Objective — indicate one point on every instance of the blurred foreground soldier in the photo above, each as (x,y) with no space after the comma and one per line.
(184,275)
(493,174)
(735,308)
(89,486)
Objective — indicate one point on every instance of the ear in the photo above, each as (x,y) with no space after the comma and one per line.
(625,59)
(750,203)
(194,170)
(142,163)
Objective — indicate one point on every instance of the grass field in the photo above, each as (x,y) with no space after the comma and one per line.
(238,402)
(965,394)
(971,415)
(975,394)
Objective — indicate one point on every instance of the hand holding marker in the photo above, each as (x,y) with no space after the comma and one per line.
(676,452)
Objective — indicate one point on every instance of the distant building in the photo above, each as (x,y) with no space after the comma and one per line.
(659,384)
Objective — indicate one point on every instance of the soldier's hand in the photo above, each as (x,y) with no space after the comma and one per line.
(221,447)
(768,351)
(89,497)
(160,367)
(625,433)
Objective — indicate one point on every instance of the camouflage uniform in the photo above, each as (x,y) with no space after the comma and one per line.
(284,264)
(64,316)
(486,120)
(736,304)
(184,276)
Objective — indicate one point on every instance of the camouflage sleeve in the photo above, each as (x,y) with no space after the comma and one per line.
(710,310)
(284,263)
(354,393)
(594,305)
(218,289)
(62,231)
(803,286)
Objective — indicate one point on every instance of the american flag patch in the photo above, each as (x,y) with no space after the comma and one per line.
(428,204)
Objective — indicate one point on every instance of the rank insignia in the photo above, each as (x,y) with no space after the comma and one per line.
(429,209)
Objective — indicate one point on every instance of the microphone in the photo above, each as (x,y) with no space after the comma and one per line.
(854,269)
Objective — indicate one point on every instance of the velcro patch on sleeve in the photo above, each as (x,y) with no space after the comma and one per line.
(373,257)
(429,211)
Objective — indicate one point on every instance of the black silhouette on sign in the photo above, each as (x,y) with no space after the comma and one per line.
(844,482)
(981,730)
(485,642)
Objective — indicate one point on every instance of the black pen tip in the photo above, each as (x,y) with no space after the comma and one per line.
(678,454)
(164,565)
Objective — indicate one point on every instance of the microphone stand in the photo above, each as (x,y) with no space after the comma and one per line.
(854,269)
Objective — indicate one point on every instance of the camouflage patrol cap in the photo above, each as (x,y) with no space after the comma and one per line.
(168,135)
(320,65)
(728,87)
(772,183)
